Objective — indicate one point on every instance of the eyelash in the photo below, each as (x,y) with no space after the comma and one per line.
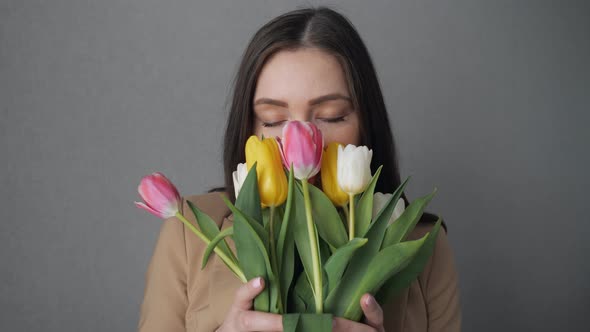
(330,120)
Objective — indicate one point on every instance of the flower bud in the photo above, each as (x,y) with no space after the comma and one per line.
(239,175)
(354,168)
(159,194)
(329,174)
(302,146)
(379,201)
(272,181)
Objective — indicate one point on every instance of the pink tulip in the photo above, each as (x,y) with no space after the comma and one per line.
(159,194)
(302,145)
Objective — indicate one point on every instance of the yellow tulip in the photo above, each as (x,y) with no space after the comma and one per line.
(329,174)
(272,181)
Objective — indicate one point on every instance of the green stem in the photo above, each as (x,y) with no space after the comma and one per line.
(228,261)
(351,218)
(315,254)
(273,254)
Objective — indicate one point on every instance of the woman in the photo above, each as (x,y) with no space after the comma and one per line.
(308,65)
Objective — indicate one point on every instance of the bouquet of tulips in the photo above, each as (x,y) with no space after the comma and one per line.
(349,239)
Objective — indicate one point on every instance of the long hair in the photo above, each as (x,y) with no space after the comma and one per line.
(327,30)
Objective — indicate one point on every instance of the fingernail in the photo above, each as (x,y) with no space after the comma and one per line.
(370,300)
(257,282)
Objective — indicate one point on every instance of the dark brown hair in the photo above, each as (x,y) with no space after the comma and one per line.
(325,29)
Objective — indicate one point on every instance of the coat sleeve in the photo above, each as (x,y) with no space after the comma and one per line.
(441,290)
(165,294)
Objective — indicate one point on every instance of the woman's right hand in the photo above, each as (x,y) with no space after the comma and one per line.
(241,317)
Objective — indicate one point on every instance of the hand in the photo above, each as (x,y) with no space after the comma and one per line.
(240,316)
(373,318)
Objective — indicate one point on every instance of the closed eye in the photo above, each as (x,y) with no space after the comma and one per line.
(272,124)
(333,120)
(279,123)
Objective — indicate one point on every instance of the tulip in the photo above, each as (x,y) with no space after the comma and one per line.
(163,200)
(272,181)
(354,168)
(239,176)
(159,194)
(329,174)
(302,146)
(354,174)
(379,201)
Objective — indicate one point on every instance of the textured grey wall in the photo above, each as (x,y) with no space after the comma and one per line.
(489,101)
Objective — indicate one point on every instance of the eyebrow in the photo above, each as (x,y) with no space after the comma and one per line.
(313,102)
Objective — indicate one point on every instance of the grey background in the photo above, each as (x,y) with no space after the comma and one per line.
(489,101)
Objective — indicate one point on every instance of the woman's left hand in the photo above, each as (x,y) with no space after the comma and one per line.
(373,318)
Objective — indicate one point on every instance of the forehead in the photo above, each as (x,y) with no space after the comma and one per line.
(301,74)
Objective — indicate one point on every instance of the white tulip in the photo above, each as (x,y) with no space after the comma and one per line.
(239,176)
(354,168)
(379,201)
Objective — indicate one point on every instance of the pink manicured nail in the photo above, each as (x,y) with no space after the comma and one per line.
(370,300)
(257,282)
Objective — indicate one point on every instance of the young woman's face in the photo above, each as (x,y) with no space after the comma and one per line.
(306,85)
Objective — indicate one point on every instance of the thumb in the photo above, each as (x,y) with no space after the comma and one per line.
(246,293)
(373,312)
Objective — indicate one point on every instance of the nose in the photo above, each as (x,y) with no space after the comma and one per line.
(303,115)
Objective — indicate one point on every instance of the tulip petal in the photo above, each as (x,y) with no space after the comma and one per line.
(165,187)
(329,175)
(302,146)
(239,175)
(147,208)
(398,210)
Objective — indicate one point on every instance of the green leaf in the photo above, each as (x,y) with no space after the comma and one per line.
(361,258)
(248,201)
(324,249)
(304,293)
(286,217)
(385,264)
(257,226)
(302,240)
(299,304)
(405,277)
(399,230)
(343,212)
(216,240)
(252,255)
(328,222)
(307,322)
(336,264)
(287,268)
(364,208)
(300,232)
(290,322)
(286,245)
(209,229)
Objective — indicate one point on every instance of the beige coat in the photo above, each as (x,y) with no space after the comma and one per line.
(179,296)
